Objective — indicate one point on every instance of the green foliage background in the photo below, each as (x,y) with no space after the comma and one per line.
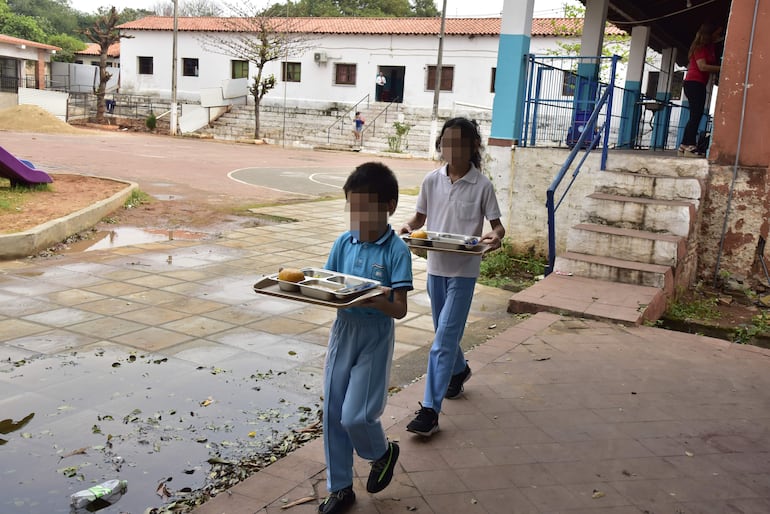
(53,22)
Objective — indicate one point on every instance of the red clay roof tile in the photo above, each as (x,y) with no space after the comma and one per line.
(364,26)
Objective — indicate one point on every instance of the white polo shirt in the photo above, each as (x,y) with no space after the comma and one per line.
(458,208)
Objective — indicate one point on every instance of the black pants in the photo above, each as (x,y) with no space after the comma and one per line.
(696,96)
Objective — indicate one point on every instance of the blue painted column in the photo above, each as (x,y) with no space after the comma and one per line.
(631,110)
(510,76)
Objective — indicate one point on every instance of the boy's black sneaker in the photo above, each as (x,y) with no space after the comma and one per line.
(426,422)
(456,383)
(338,501)
(382,469)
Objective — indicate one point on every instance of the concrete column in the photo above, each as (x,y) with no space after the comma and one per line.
(510,76)
(743,102)
(42,56)
(631,111)
(507,107)
(663,95)
(593,28)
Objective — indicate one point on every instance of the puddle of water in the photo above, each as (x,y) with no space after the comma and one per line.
(152,420)
(168,197)
(127,236)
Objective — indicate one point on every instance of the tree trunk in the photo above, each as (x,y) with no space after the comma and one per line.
(256,116)
(104,77)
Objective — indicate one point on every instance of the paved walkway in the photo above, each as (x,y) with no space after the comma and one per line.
(561,414)
(567,415)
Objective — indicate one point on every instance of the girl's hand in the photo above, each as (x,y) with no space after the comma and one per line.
(492,239)
(405,229)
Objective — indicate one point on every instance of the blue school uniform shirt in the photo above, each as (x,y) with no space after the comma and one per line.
(386,260)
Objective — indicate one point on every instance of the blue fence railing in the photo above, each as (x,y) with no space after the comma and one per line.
(559,99)
(585,135)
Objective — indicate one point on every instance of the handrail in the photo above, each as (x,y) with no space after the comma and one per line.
(373,122)
(342,117)
(606,99)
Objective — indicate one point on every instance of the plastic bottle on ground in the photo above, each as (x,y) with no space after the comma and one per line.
(111,489)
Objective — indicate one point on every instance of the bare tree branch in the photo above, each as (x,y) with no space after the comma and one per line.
(251,35)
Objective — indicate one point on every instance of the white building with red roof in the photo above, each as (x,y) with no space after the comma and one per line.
(24,63)
(338,61)
(92,52)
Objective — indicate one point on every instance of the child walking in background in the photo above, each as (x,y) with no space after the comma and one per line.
(359,127)
(361,342)
(453,199)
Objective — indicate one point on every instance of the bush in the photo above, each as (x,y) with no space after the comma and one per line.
(151,121)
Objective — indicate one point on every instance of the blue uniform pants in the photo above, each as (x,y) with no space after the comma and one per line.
(355,393)
(450,300)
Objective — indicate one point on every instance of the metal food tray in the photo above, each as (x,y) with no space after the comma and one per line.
(321,287)
(443,242)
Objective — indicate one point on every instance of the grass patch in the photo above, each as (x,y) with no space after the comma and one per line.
(697,307)
(136,198)
(411,191)
(508,270)
(11,198)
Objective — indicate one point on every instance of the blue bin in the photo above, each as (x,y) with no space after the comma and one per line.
(579,124)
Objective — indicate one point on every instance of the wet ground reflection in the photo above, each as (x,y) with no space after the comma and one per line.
(127,236)
(158,422)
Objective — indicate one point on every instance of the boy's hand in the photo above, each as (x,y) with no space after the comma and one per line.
(394,309)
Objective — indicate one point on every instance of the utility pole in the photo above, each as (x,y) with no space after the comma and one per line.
(172,120)
(437,86)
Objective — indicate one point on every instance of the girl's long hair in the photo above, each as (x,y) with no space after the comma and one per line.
(469,130)
(704,36)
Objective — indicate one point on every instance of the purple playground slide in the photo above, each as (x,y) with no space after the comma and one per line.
(21,172)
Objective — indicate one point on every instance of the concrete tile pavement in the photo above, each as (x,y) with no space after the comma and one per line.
(566,415)
(189,305)
(561,414)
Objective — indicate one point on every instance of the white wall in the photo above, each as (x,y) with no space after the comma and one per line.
(54,102)
(472,57)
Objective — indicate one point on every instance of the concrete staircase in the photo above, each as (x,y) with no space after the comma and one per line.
(329,129)
(635,244)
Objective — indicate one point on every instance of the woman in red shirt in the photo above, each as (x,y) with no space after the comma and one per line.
(703,62)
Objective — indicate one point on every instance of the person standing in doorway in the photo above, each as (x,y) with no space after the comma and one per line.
(380,81)
(703,62)
(456,198)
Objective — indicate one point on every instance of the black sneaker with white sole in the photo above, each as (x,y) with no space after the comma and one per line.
(456,383)
(426,422)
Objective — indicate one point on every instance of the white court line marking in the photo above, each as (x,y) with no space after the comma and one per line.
(230,176)
(312,178)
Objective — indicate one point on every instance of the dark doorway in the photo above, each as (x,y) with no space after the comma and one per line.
(393,90)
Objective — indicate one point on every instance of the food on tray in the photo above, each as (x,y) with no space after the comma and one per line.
(291,275)
(419,234)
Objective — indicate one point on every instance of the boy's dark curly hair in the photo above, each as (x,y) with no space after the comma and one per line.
(373,177)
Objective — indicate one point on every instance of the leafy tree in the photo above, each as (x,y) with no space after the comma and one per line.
(16,25)
(54,16)
(104,33)
(68,44)
(258,38)
(188,8)
(425,8)
(371,8)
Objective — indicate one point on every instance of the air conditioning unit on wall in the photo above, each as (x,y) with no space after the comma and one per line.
(319,56)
